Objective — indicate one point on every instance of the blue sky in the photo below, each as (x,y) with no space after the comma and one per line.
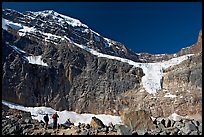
(152,27)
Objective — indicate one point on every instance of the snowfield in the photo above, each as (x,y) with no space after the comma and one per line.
(39,112)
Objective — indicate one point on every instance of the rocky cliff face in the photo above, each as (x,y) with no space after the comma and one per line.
(48,61)
(181,92)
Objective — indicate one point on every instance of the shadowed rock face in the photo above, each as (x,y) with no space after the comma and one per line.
(68,87)
(75,79)
(79,81)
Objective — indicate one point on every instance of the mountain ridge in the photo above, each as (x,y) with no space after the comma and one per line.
(85,73)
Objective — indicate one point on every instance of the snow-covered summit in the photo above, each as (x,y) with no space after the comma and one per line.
(50,22)
(69,20)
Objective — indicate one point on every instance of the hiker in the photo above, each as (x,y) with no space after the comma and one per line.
(46,119)
(67,124)
(54,117)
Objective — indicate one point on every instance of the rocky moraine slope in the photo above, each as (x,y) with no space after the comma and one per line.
(53,60)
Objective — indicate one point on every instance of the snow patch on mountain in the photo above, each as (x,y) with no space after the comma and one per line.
(39,112)
(22,32)
(108,42)
(31,59)
(170,95)
(6,23)
(36,60)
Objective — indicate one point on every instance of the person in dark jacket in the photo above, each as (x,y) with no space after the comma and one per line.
(46,119)
(54,117)
(67,124)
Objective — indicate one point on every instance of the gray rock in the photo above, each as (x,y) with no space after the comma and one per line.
(180,133)
(196,123)
(26,114)
(158,130)
(28,120)
(25,131)
(45,133)
(167,122)
(142,132)
(134,133)
(163,133)
(178,124)
(172,130)
(172,122)
(160,126)
(21,121)
(123,130)
(14,130)
(189,127)
(194,133)
(200,128)
(105,129)
(84,132)
(159,119)
(29,126)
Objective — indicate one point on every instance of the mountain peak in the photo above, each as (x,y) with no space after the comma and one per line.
(72,21)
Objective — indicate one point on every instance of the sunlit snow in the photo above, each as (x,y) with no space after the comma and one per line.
(69,20)
(39,112)
(16,49)
(6,23)
(36,60)
(170,95)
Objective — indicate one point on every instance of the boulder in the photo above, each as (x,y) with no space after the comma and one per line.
(15,130)
(171,130)
(168,122)
(45,133)
(142,132)
(195,122)
(163,133)
(200,128)
(26,114)
(160,127)
(123,130)
(194,133)
(138,120)
(96,123)
(189,127)
(178,124)
(28,120)
(84,132)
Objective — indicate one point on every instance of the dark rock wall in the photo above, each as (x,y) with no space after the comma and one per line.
(75,79)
